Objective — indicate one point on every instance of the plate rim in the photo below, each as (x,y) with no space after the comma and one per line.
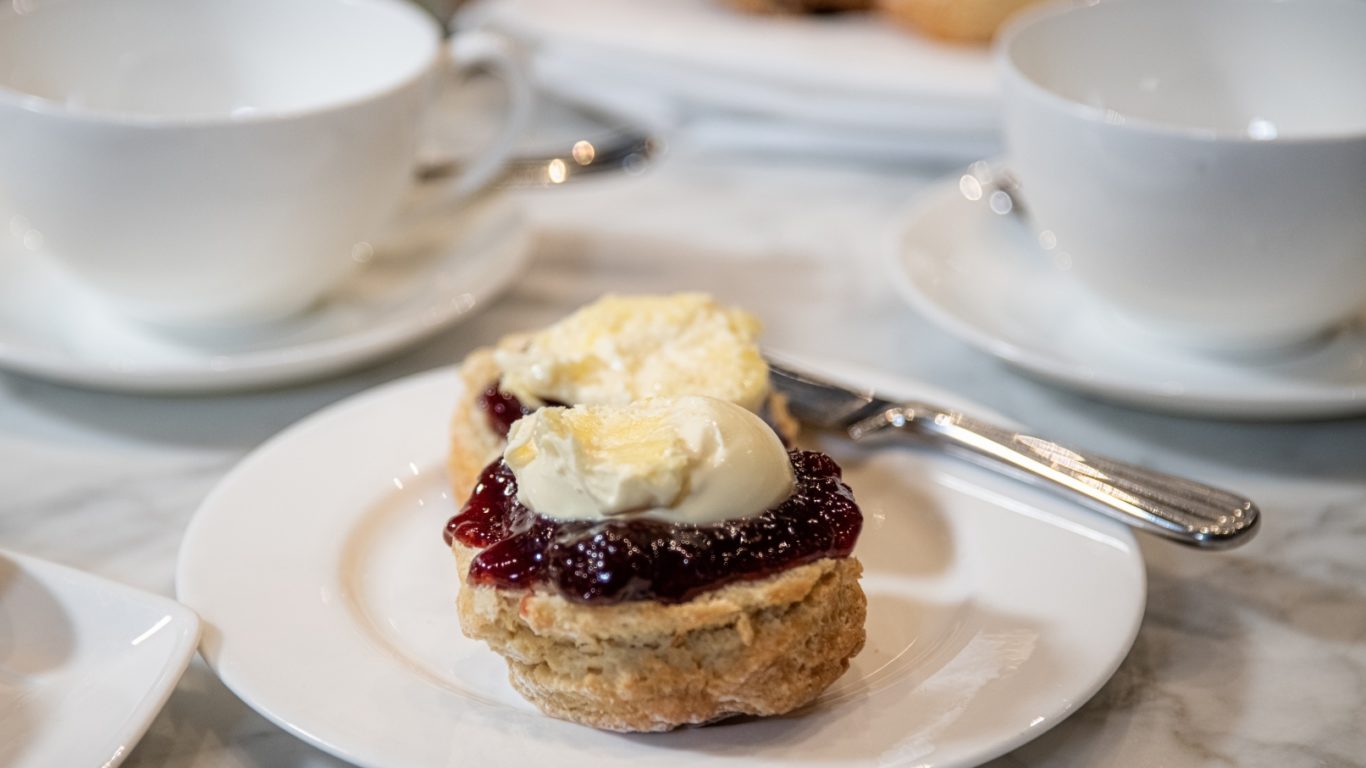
(887,383)
(1135,563)
(1203,403)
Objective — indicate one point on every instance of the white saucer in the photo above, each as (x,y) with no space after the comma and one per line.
(421,278)
(995,610)
(85,663)
(984,278)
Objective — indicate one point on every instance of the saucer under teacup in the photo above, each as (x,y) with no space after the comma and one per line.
(427,273)
(986,278)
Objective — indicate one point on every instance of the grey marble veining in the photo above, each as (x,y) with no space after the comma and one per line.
(1250,658)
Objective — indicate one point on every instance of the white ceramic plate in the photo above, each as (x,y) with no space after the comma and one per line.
(328,600)
(856,70)
(85,664)
(425,275)
(984,278)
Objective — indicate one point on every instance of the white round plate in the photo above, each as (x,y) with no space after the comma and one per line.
(327,597)
(985,278)
(426,274)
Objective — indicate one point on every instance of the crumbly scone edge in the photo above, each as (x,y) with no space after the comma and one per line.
(472,443)
(759,647)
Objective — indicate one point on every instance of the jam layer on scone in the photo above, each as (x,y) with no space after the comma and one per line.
(643,559)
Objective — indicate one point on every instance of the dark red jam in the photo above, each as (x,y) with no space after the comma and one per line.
(603,563)
(500,408)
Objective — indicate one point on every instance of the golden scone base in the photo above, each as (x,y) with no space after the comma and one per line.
(761,647)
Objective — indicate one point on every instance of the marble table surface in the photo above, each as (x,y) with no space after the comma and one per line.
(1249,658)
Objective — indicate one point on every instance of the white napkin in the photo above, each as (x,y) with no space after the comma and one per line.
(703,75)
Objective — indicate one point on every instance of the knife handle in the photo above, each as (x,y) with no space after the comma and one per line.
(1173,507)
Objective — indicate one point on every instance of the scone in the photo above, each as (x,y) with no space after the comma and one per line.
(612,352)
(956,20)
(663,563)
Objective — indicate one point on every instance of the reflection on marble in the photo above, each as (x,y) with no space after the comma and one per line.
(1249,658)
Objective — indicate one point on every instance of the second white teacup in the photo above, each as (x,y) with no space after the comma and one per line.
(1202,162)
(208,164)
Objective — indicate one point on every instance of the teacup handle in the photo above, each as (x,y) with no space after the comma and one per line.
(473,50)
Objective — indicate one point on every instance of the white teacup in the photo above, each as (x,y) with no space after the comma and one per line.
(204,164)
(1202,162)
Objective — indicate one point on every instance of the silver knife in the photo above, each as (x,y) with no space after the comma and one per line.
(1175,508)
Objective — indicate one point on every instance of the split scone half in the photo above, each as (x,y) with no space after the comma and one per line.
(663,563)
(615,351)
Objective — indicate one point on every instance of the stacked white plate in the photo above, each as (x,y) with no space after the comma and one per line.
(851,85)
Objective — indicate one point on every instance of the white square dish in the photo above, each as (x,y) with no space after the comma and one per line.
(85,663)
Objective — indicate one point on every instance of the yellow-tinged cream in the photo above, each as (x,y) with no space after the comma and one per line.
(688,460)
(625,348)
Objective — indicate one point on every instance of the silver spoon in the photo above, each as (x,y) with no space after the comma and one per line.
(626,151)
